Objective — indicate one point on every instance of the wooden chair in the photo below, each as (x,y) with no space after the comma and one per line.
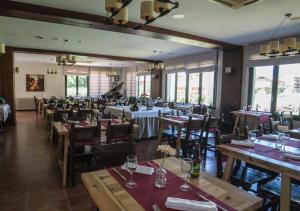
(79,138)
(59,114)
(119,132)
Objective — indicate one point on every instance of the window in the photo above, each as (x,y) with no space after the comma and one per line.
(131,83)
(288,92)
(76,85)
(262,88)
(181,87)
(194,88)
(207,92)
(99,83)
(143,85)
(171,83)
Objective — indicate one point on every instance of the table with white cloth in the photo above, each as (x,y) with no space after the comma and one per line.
(145,119)
(4,112)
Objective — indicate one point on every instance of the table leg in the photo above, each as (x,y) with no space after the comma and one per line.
(161,130)
(237,119)
(285,196)
(178,141)
(228,168)
(65,167)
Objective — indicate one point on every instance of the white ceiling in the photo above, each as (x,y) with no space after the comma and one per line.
(80,60)
(246,25)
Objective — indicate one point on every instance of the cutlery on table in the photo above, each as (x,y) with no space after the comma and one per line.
(118,173)
(155,207)
(206,199)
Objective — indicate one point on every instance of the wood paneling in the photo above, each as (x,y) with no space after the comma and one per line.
(68,17)
(7,82)
(156,84)
(232,83)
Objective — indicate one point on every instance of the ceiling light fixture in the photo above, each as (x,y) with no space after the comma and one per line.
(65,59)
(2,48)
(273,48)
(178,16)
(51,71)
(158,66)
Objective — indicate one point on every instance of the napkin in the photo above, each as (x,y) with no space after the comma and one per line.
(291,155)
(283,129)
(270,136)
(245,143)
(192,205)
(141,169)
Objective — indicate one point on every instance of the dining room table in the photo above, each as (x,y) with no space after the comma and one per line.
(266,155)
(179,122)
(63,129)
(251,118)
(295,133)
(108,190)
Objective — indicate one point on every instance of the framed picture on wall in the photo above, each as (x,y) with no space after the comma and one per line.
(35,83)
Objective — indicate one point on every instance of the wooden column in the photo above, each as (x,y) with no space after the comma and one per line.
(7,86)
(156,84)
(232,83)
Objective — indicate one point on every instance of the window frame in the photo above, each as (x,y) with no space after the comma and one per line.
(88,85)
(144,84)
(276,70)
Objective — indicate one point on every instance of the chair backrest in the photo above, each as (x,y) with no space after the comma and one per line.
(195,125)
(86,135)
(200,109)
(109,155)
(58,115)
(119,132)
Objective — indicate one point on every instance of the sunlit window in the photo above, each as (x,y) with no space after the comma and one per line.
(194,88)
(143,85)
(207,93)
(76,85)
(171,81)
(181,87)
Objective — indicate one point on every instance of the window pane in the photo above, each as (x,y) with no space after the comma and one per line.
(262,88)
(148,85)
(171,87)
(181,87)
(137,85)
(141,85)
(208,79)
(288,94)
(82,86)
(194,79)
(71,85)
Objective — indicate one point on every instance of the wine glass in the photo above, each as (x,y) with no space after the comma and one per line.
(131,165)
(252,138)
(65,117)
(186,168)
(286,139)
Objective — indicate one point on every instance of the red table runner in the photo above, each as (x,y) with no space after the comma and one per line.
(146,194)
(82,124)
(105,122)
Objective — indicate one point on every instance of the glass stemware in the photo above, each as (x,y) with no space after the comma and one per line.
(186,168)
(131,165)
(286,139)
(252,138)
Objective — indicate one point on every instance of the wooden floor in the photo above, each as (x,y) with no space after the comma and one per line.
(30,178)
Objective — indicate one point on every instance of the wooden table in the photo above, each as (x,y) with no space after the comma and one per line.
(179,124)
(286,169)
(108,194)
(63,134)
(255,116)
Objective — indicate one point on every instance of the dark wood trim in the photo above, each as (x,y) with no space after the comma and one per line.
(56,52)
(274,88)
(250,86)
(61,16)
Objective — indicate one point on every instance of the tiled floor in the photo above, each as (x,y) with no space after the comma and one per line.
(29,176)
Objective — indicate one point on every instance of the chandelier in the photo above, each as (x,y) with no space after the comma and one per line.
(150,10)
(275,48)
(2,48)
(159,66)
(51,70)
(66,60)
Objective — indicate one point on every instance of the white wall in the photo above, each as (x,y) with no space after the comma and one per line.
(54,83)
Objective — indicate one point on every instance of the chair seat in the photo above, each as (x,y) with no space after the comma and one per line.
(249,176)
(274,187)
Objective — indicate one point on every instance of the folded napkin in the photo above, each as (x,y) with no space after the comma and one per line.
(141,169)
(291,155)
(270,136)
(283,129)
(192,205)
(244,143)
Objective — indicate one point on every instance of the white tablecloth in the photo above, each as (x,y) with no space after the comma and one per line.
(145,119)
(4,112)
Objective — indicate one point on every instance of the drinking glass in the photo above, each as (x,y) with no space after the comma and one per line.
(186,168)
(65,117)
(252,138)
(285,140)
(131,164)
(279,141)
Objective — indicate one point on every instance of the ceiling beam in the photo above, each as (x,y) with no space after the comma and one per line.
(55,52)
(61,16)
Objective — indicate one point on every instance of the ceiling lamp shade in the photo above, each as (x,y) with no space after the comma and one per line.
(147,10)
(290,44)
(274,47)
(122,17)
(160,7)
(2,48)
(112,5)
